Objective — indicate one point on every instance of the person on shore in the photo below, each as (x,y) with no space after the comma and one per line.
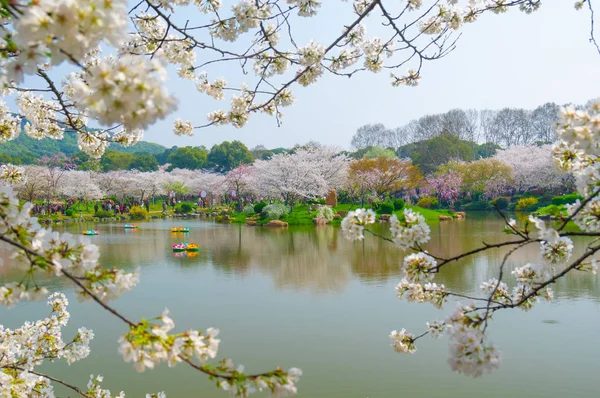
(164,206)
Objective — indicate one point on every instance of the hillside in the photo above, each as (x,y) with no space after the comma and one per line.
(28,150)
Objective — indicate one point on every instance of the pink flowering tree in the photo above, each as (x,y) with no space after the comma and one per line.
(80,185)
(241,180)
(363,184)
(533,167)
(447,186)
(305,174)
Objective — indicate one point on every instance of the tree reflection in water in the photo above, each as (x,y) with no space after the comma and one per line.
(312,258)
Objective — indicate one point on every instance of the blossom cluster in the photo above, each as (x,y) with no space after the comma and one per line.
(411,231)
(41,116)
(419,267)
(27,347)
(10,125)
(128,90)
(57,30)
(470,353)
(403,341)
(354,223)
(147,344)
(11,174)
(421,293)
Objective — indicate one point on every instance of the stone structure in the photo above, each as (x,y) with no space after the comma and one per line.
(331,198)
(276,223)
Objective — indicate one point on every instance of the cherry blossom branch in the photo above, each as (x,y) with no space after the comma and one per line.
(500,275)
(592,36)
(54,379)
(590,251)
(578,209)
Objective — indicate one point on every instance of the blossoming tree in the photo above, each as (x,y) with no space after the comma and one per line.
(533,167)
(305,174)
(122,90)
(382,176)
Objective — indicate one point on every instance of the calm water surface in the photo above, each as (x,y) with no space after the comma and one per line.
(305,297)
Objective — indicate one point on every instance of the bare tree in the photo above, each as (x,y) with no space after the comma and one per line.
(428,126)
(458,123)
(370,135)
(543,120)
(512,127)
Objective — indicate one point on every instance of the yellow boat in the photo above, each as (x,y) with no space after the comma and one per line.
(192,247)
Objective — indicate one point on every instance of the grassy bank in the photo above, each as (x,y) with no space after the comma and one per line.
(300,215)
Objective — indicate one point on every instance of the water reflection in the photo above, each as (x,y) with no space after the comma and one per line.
(306,297)
(315,259)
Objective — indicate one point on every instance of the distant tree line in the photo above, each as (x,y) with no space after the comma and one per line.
(458,134)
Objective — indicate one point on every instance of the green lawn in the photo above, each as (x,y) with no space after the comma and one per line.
(430,215)
(301,216)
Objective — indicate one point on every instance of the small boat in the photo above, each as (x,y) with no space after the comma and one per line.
(180,247)
(131,226)
(192,247)
(90,232)
(180,229)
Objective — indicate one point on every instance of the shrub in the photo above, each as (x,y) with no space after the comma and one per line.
(104,214)
(69,212)
(184,208)
(275,211)
(478,205)
(386,208)
(501,203)
(187,207)
(526,204)
(138,213)
(319,201)
(546,199)
(325,212)
(344,197)
(553,210)
(248,209)
(398,204)
(428,202)
(258,208)
(566,199)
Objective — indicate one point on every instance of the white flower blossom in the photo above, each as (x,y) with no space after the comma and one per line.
(126,90)
(181,127)
(353,224)
(412,231)
(403,341)
(419,267)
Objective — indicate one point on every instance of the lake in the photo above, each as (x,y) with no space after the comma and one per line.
(305,297)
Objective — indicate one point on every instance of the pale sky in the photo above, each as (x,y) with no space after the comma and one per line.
(507,60)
